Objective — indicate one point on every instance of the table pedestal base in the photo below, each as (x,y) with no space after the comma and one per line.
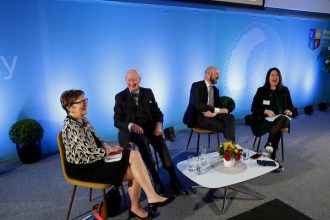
(238,190)
(225,194)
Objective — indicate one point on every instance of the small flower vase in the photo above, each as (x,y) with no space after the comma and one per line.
(229,163)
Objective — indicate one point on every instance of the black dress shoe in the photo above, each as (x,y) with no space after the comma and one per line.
(278,170)
(153,206)
(150,215)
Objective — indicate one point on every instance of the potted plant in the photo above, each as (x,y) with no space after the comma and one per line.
(324,60)
(26,134)
(227,102)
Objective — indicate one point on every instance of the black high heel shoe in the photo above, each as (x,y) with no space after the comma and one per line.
(150,215)
(153,206)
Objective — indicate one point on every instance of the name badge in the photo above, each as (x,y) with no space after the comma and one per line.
(266,102)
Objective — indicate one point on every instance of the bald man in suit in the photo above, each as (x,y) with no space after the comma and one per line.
(204,109)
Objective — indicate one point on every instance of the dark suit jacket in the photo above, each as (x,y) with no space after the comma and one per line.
(124,111)
(198,102)
(258,107)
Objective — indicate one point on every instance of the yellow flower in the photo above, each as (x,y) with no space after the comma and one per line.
(230,150)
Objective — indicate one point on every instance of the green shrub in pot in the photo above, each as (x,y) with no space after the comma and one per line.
(26,134)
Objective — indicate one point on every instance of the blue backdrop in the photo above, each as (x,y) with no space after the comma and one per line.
(47,47)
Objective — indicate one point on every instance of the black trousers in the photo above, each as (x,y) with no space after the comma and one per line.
(222,122)
(275,134)
(261,126)
(159,145)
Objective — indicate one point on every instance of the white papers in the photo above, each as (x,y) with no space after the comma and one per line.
(273,118)
(113,158)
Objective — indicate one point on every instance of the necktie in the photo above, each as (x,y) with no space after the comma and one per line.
(136,96)
(211,96)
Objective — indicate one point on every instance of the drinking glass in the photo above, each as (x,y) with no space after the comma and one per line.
(203,156)
(191,163)
(198,166)
(246,153)
(203,150)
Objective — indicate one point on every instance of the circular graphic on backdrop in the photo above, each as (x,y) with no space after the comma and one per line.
(256,49)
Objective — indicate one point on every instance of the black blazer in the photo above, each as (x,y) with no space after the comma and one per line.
(258,107)
(198,102)
(124,110)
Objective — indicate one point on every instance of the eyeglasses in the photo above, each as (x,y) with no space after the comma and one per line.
(84,101)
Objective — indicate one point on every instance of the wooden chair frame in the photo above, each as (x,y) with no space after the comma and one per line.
(201,131)
(76,182)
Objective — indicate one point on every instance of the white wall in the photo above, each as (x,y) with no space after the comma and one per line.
(320,6)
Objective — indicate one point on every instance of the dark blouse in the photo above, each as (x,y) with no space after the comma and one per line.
(277,100)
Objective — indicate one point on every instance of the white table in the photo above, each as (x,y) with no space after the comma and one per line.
(216,175)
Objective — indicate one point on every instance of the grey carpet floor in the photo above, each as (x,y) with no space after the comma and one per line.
(39,191)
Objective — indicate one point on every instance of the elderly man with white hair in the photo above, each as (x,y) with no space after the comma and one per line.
(139,119)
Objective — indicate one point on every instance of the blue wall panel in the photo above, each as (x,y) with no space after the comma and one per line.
(51,46)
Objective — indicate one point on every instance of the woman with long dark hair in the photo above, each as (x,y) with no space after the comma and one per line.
(272,99)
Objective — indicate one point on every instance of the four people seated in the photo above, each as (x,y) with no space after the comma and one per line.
(204,109)
(139,119)
(272,99)
(85,153)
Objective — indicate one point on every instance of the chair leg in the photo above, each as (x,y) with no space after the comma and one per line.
(105,205)
(71,201)
(258,144)
(197,144)
(156,158)
(209,139)
(189,139)
(90,194)
(254,143)
(218,139)
(282,147)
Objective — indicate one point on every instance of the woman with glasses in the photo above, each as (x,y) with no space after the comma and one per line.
(85,154)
